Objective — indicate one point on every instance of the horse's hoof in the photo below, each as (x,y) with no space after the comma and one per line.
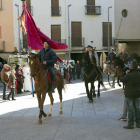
(94,96)
(49,115)
(90,101)
(44,114)
(40,122)
(60,112)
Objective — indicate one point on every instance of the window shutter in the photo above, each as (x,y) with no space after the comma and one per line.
(56,33)
(90,2)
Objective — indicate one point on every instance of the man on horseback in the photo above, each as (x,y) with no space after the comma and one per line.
(124,56)
(94,60)
(47,58)
(112,55)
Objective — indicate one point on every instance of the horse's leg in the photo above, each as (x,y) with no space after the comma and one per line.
(113,79)
(87,90)
(41,108)
(109,80)
(90,94)
(52,100)
(60,96)
(94,95)
(98,89)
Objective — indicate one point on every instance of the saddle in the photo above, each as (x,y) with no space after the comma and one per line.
(49,74)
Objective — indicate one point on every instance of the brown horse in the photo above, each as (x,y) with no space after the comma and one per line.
(42,85)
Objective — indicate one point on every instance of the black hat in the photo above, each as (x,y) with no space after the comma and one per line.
(47,42)
(89,46)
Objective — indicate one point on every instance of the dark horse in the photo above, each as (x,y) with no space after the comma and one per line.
(42,85)
(90,76)
(120,67)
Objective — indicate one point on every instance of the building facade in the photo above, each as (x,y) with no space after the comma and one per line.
(87,25)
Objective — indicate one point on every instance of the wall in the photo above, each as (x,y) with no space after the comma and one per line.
(130,26)
(6,23)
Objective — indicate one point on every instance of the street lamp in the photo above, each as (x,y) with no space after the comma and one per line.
(69,30)
(19,29)
(108,31)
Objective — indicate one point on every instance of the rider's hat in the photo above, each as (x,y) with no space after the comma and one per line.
(47,42)
(89,46)
(112,49)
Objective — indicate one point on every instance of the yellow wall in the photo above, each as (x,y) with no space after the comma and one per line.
(6,23)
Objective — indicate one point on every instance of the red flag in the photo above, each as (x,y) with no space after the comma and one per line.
(35,37)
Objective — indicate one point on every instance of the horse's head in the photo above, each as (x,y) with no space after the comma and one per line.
(118,62)
(106,66)
(86,59)
(34,64)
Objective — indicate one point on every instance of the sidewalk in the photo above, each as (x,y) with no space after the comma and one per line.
(80,120)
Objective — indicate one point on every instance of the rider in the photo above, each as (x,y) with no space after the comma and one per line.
(124,56)
(48,57)
(94,60)
(112,55)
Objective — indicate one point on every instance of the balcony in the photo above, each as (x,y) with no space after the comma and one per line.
(61,40)
(55,11)
(92,10)
(105,42)
(0,4)
(78,42)
(30,8)
(2,46)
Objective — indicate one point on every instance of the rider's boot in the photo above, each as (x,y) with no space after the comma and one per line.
(52,87)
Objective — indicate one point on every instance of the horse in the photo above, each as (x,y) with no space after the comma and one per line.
(90,76)
(42,86)
(109,69)
(120,67)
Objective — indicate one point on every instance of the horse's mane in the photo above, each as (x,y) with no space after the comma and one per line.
(120,61)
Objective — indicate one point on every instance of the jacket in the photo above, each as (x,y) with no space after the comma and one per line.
(4,76)
(111,56)
(49,56)
(19,75)
(132,83)
(124,57)
(12,81)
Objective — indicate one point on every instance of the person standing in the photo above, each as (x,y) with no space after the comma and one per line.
(73,70)
(24,52)
(78,70)
(69,70)
(112,55)
(66,72)
(82,65)
(132,94)
(124,56)
(19,77)
(27,79)
(1,67)
(48,58)
(5,78)
(12,84)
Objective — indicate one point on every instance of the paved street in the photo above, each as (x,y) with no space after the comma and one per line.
(80,120)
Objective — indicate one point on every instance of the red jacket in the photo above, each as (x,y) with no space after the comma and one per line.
(19,75)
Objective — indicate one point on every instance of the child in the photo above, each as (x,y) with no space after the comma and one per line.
(12,84)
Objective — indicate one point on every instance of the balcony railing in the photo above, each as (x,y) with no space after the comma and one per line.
(105,42)
(92,10)
(30,8)
(77,42)
(61,40)
(56,11)
(2,46)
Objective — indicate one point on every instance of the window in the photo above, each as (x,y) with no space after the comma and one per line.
(90,2)
(56,33)
(76,33)
(55,8)
(105,33)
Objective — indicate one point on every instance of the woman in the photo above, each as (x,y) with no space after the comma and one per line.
(27,79)
(66,72)
(19,77)
(69,70)
(12,84)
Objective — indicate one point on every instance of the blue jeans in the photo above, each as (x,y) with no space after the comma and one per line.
(133,104)
(81,73)
(4,90)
